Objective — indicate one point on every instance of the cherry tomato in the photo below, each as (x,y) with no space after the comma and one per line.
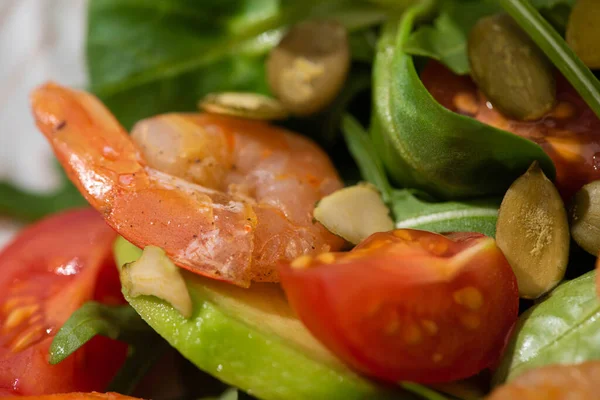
(408,305)
(49,271)
(569,134)
(79,396)
(554,382)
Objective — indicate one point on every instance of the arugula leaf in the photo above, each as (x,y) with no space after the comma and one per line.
(116,322)
(147,58)
(143,355)
(426,146)
(363,152)
(562,329)
(466,216)
(91,319)
(446,39)
(557,50)
(423,391)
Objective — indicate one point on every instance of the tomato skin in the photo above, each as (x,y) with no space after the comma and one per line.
(50,270)
(409,305)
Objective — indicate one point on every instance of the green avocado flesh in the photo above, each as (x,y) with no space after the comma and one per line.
(249,338)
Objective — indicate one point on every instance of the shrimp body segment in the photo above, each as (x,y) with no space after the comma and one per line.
(225,198)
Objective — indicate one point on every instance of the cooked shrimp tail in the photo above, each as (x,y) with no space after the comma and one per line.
(201,229)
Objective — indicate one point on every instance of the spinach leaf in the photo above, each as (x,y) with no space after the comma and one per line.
(91,319)
(446,39)
(557,50)
(146,58)
(563,328)
(467,216)
(423,145)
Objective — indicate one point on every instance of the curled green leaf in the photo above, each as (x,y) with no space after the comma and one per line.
(424,145)
(562,329)
(453,216)
(91,319)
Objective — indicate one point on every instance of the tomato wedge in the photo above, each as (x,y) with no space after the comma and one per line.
(48,272)
(409,305)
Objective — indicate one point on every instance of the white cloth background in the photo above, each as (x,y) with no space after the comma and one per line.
(39,40)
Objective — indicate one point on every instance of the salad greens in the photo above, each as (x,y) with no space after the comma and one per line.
(428,147)
(435,169)
(562,329)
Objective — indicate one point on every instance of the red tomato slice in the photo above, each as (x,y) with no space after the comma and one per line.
(409,305)
(569,134)
(49,271)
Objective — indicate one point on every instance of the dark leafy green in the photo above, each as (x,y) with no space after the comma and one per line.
(454,216)
(408,208)
(116,322)
(31,206)
(445,39)
(557,50)
(146,58)
(91,319)
(563,328)
(364,154)
(424,145)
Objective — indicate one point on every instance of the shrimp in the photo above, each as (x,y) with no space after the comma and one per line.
(224,197)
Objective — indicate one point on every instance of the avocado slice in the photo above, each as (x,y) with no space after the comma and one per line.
(250,338)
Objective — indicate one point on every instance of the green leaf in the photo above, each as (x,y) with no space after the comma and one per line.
(446,39)
(426,146)
(423,391)
(563,328)
(150,57)
(91,319)
(364,154)
(144,353)
(31,206)
(557,50)
(466,216)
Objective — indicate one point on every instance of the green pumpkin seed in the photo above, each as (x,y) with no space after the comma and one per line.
(307,69)
(583,31)
(510,69)
(533,233)
(585,218)
(244,105)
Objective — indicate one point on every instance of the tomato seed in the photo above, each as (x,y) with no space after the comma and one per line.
(469,297)
(301,262)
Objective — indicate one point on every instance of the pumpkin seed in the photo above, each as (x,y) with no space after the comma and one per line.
(510,69)
(584,216)
(533,233)
(583,31)
(245,105)
(354,213)
(307,69)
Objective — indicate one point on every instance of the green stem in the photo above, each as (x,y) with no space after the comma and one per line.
(555,47)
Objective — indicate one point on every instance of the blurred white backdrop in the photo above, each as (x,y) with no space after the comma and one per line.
(39,40)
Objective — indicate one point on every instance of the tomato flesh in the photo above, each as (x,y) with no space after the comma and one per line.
(409,305)
(49,271)
(569,134)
